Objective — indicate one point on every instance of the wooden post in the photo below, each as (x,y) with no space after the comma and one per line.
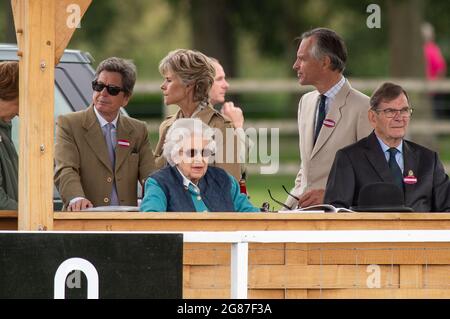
(39,48)
(35,27)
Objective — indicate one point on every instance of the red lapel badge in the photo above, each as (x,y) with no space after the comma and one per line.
(410,179)
(329,123)
(124,143)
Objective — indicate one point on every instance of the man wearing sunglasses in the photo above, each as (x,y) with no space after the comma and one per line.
(385,156)
(101,154)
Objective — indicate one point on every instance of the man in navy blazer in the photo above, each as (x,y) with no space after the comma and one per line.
(385,156)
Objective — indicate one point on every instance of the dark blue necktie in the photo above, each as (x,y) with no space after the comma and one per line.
(320,116)
(394,168)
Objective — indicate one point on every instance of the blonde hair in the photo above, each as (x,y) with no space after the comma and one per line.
(192,67)
(9,80)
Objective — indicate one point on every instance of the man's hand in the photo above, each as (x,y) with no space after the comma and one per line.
(313,197)
(79,205)
(234,113)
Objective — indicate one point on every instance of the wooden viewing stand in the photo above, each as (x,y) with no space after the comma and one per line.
(276,270)
(292,270)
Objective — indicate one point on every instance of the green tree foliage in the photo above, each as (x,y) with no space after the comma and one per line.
(438,14)
(98,19)
(273,26)
(7,30)
(141,30)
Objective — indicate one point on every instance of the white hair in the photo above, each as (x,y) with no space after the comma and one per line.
(182,129)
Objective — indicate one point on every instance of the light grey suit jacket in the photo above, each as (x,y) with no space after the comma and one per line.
(349,112)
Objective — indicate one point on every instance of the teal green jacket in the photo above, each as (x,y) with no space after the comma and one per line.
(9,171)
(155,199)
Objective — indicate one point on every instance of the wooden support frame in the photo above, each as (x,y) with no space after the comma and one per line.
(43,33)
(36,40)
(309,269)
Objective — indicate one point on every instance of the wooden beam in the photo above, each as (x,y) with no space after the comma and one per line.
(36,50)
(68,14)
(18,8)
(43,30)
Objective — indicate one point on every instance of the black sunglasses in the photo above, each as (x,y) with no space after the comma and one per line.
(278,202)
(112,90)
(206,152)
(281,203)
(290,193)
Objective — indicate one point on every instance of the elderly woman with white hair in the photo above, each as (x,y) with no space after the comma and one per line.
(187,184)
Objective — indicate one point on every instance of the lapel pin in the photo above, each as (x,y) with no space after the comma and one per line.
(410,179)
(329,123)
(124,143)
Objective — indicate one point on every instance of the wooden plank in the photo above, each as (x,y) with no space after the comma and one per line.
(379,294)
(208,277)
(225,294)
(266,293)
(411,276)
(220,254)
(8,214)
(8,224)
(67,14)
(8,220)
(206,254)
(327,276)
(296,293)
(266,254)
(256,216)
(205,293)
(296,254)
(143,222)
(436,277)
(379,253)
(18,8)
(36,98)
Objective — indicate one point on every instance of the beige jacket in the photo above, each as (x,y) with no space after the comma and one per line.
(349,111)
(214,119)
(83,168)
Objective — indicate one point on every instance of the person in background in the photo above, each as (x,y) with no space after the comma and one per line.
(230,111)
(329,118)
(217,96)
(9,108)
(385,156)
(188,184)
(101,154)
(435,68)
(188,77)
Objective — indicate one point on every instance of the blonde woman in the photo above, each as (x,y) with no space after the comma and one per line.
(188,77)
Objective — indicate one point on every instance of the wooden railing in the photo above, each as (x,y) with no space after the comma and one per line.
(294,270)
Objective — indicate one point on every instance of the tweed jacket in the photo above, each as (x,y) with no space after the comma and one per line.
(83,167)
